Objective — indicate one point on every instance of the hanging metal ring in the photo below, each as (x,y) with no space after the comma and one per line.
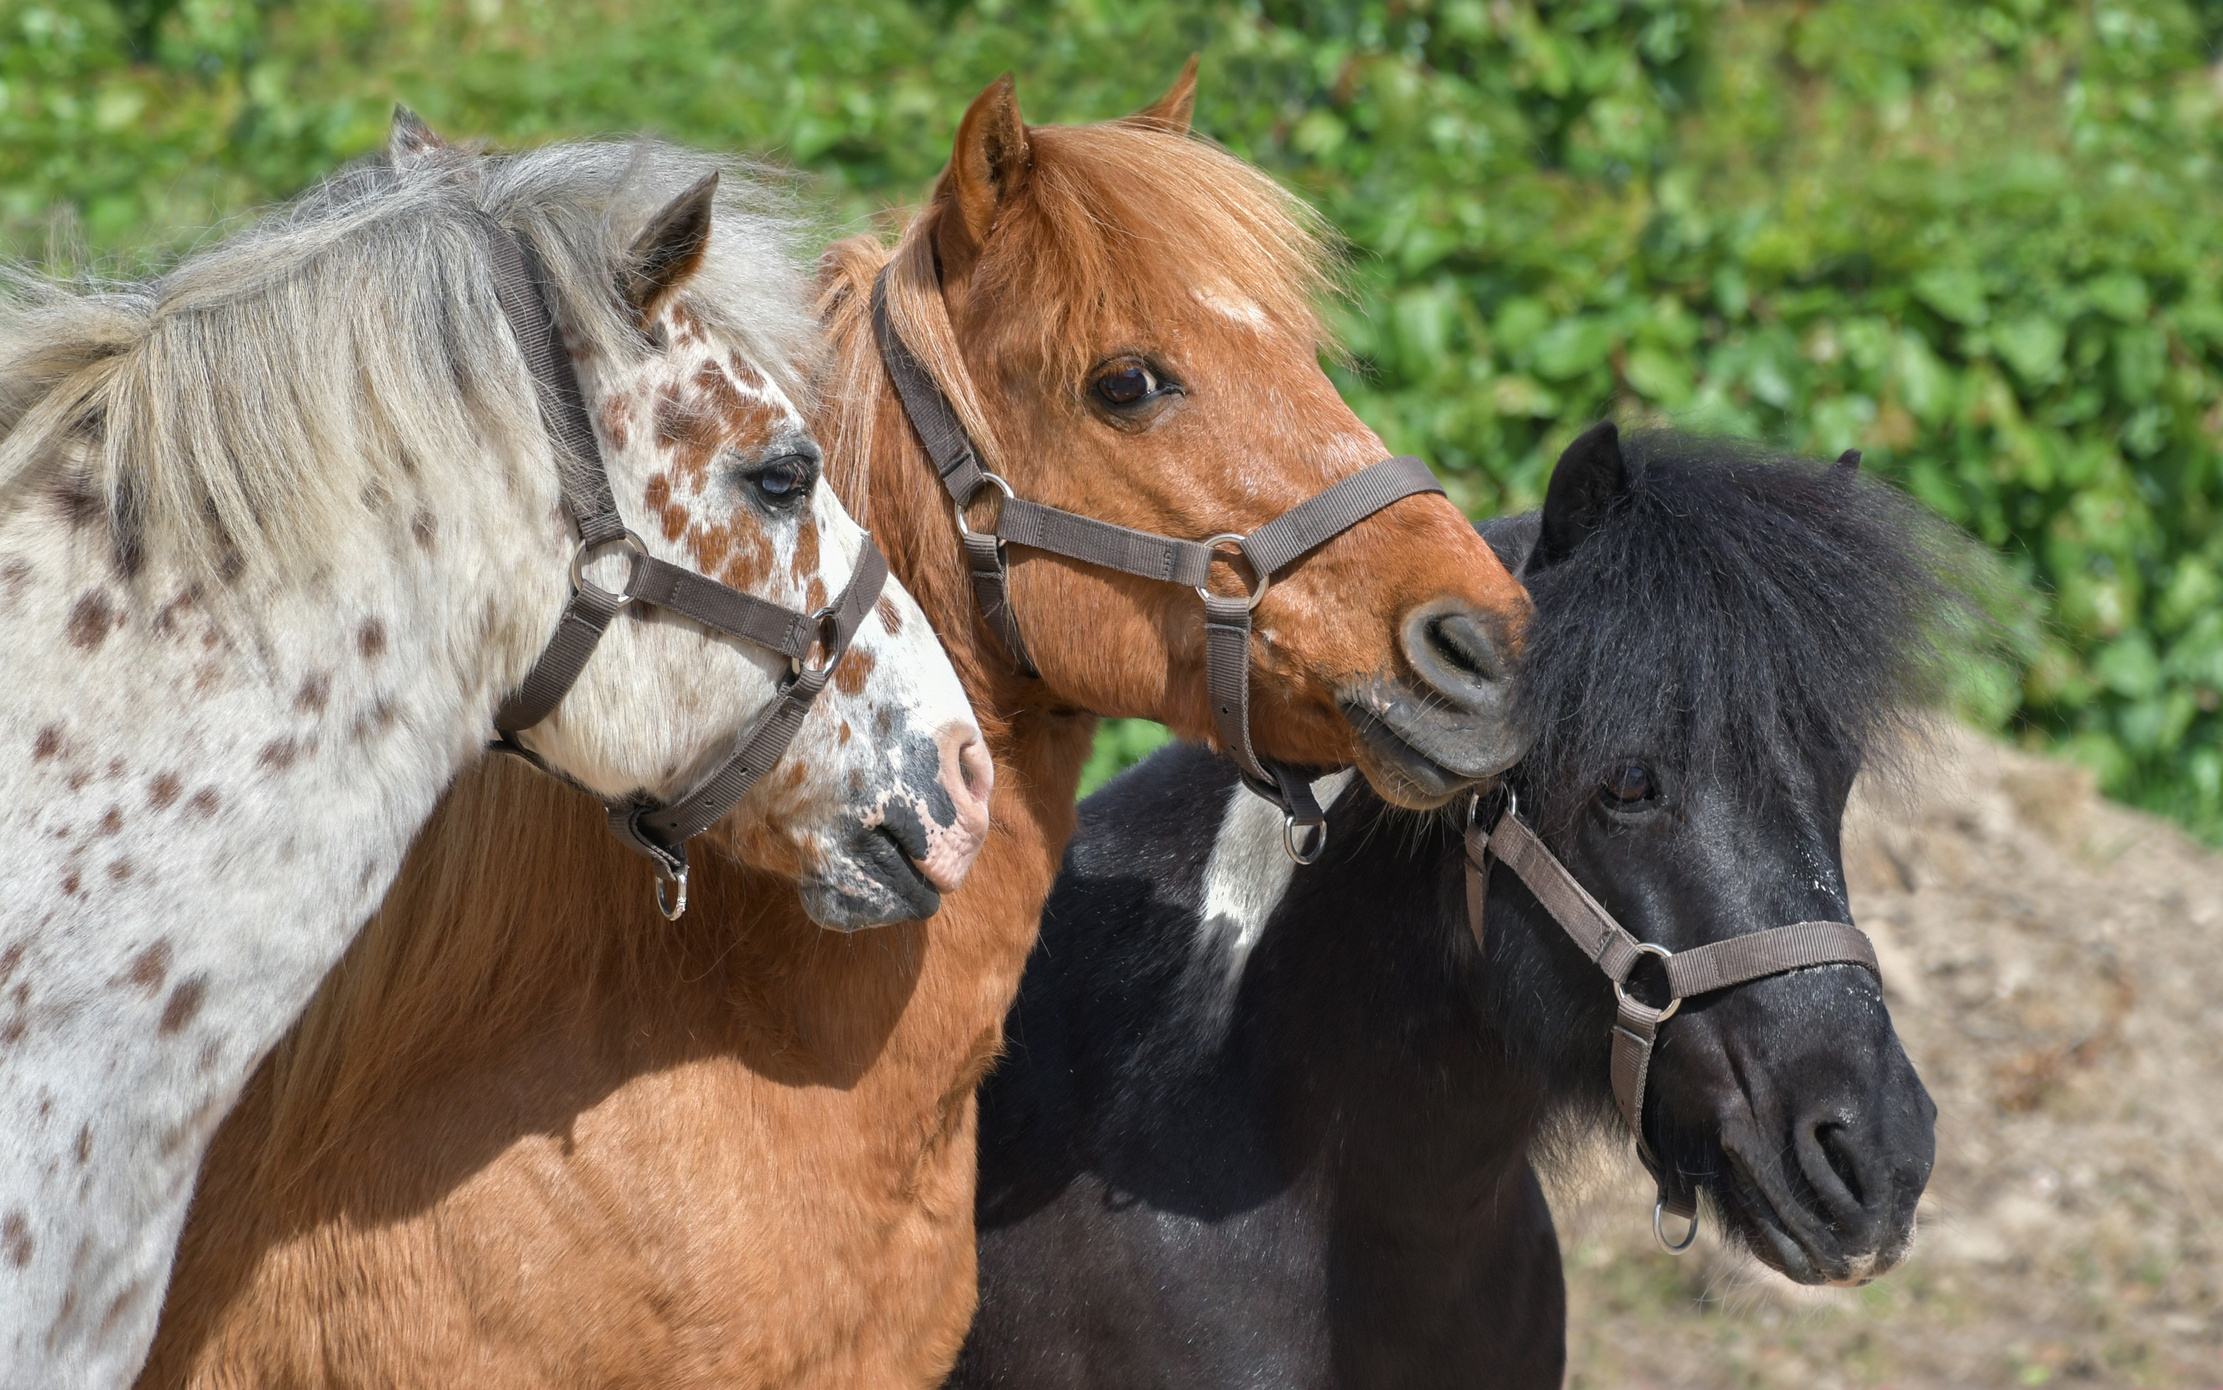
(1621,992)
(1659,1232)
(1289,840)
(672,911)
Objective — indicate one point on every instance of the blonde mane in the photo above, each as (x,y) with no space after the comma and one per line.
(235,413)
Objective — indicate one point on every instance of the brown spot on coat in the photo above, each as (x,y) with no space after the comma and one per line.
(315,693)
(185,1002)
(9,960)
(15,574)
(204,802)
(15,1238)
(615,416)
(112,821)
(78,500)
(814,596)
(424,529)
(669,514)
(47,744)
(890,619)
(855,669)
(120,870)
(13,1031)
(370,639)
(90,620)
(805,563)
(166,617)
(377,719)
(278,754)
(84,1146)
(150,967)
(70,884)
(162,792)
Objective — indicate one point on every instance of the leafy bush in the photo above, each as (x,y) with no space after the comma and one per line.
(1979,241)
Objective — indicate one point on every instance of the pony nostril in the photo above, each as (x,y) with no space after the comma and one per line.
(1837,1152)
(1459,652)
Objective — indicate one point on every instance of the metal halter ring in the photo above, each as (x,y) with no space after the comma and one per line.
(672,911)
(1621,993)
(959,507)
(1289,840)
(589,551)
(1265,582)
(829,637)
(1659,1212)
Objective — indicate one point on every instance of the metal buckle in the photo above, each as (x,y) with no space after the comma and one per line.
(1659,1211)
(959,507)
(1289,839)
(1674,1001)
(587,553)
(1265,582)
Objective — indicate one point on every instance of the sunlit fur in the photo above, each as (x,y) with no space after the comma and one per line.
(740,1150)
(1295,1141)
(279,528)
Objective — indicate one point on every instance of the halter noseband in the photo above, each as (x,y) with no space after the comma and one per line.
(1166,559)
(813,643)
(1723,964)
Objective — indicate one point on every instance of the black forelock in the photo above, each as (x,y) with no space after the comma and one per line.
(1754,615)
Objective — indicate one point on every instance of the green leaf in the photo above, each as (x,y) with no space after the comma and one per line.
(1955,292)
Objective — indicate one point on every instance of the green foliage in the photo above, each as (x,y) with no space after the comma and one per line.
(1981,241)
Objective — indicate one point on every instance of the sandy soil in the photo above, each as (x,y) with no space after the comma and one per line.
(2054,963)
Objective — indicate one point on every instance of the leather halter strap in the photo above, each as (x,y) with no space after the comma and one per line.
(658,832)
(1167,559)
(1724,964)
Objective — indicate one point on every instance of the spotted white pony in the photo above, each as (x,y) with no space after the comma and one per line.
(278,530)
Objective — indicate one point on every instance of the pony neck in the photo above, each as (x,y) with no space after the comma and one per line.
(212,790)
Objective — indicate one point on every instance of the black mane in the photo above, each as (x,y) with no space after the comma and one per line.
(1753,611)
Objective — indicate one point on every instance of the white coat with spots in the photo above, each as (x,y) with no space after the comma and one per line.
(277,532)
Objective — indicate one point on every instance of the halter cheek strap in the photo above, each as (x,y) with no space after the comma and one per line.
(813,643)
(1724,964)
(1166,559)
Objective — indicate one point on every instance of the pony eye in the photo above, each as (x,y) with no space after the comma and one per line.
(783,478)
(1126,383)
(1631,784)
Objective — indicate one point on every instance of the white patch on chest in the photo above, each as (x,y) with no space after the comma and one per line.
(1248,872)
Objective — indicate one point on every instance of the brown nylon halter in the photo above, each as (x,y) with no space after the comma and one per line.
(1167,559)
(1722,964)
(660,833)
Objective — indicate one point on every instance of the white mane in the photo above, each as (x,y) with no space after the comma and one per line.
(232,414)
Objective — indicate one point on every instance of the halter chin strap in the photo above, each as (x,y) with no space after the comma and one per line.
(813,643)
(1722,964)
(1167,559)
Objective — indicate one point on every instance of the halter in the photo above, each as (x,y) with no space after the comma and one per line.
(1166,559)
(813,643)
(1725,964)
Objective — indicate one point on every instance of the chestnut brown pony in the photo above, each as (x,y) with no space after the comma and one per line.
(740,1150)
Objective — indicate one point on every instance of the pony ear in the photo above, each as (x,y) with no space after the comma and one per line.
(669,249)
(1848,463)
(409,139)
(989,164)
(1172,111)
(1584,483)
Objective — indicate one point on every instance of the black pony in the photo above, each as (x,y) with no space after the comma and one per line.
(1267,1125)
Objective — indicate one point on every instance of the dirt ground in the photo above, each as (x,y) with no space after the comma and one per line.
(2054,964)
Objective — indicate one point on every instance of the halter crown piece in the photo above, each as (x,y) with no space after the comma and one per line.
(1722,964)
(1167,559)
(813,643)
